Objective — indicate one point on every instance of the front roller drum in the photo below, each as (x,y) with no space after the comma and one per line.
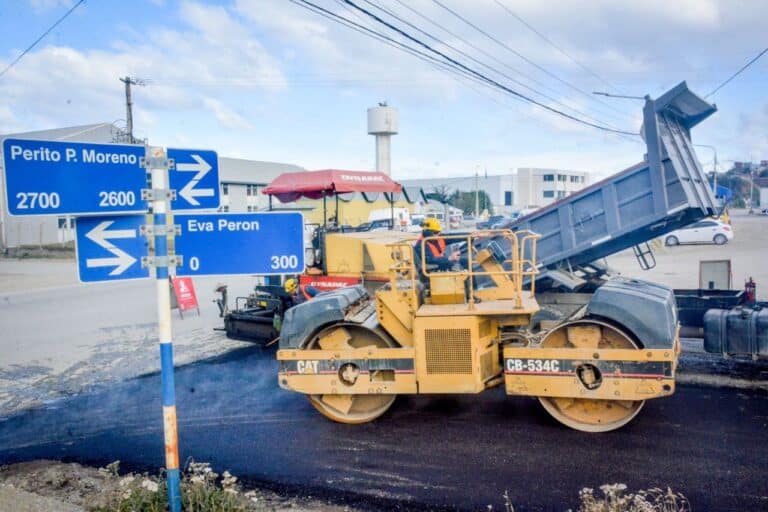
(352,409)
(589,415)
(590,375)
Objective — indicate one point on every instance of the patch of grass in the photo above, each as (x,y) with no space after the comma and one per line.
(614,499)
(201,491)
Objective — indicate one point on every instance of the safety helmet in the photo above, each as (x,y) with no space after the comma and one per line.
(291,285)
(431,224)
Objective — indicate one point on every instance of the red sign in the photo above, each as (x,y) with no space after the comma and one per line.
(185,293)
(327,283)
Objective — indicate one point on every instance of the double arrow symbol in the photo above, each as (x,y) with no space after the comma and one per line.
(189,193)
(121,260)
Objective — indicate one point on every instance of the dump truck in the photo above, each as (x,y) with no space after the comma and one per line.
(600,348)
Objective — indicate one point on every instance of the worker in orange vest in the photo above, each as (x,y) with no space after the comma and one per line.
(435,248)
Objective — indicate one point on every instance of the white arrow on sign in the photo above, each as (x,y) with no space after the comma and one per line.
(189,192)
(122,260)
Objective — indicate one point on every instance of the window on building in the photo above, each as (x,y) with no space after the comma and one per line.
(560,194)
(251,190)
(549,177)
(224,208)
(225,189)
(62,222)
(549,193)
(507,198)
(574,179)
(561,177)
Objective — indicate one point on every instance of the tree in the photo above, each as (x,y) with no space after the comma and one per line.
(440,194)
(465,201)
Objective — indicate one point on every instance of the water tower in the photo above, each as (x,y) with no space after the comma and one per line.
(383,123)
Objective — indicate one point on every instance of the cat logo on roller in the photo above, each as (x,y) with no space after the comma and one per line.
(307,367)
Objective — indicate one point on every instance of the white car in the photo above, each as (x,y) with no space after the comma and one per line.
(708,231)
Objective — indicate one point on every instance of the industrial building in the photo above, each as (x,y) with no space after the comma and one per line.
(525,188)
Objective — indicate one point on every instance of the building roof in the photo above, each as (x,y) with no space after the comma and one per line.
(98,133)
(238,170)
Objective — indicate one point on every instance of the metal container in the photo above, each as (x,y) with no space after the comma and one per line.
(667,191)
(742,330)
(693,303)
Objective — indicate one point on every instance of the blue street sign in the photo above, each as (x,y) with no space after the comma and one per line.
(247,243)
(195,179)
(46,177)
(110,248)
(57,178)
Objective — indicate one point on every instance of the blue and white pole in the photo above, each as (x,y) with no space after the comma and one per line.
(158,164)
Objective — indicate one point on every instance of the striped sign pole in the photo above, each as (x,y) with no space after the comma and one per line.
(158,164)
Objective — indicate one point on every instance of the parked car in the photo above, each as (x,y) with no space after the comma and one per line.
(708,231)
(492,222)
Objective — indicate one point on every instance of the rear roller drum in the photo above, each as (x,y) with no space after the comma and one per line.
(589,415)
(351,409)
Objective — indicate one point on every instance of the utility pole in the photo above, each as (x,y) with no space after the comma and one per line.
(477,196)
(128,81)
(714,150)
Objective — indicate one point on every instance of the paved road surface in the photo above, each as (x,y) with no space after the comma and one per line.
(453,452)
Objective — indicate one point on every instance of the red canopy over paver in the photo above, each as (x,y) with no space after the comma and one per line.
(317,184)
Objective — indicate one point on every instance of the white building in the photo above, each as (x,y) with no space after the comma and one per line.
(527,188)
(241,184)
(540,187)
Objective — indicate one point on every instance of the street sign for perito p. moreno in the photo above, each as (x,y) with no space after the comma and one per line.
(61,178)
(58,178)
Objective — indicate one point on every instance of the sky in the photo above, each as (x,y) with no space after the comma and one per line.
(270,80)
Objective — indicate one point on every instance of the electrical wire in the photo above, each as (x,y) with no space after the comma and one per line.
(473,59)
(387,40)
(483,77)
(552,44)
(526,59)
(745,66)
(17,59)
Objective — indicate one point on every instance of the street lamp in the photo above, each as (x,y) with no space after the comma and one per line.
(714,150)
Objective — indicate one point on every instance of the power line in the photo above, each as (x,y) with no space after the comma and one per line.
(526,59)
(9,66)
(551,43)
(385,39)
(443,66)
(745,66)
(492,69)
(480,75)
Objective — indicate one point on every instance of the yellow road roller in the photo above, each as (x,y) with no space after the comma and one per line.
(475,327)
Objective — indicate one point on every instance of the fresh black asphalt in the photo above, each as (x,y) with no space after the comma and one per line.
(454,452)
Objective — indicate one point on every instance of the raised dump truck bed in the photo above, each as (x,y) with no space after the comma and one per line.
(666,191)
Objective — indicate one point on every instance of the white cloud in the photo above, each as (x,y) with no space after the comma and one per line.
(60,85)
(42,6)
(226,117)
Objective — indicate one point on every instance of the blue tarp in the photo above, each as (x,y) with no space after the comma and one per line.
(724,193)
